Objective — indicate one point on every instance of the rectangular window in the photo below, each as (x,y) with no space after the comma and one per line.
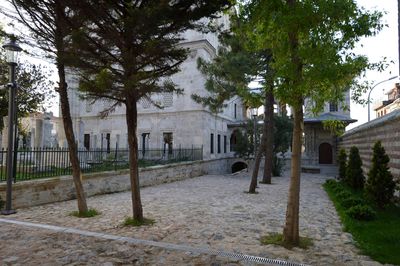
(235,111)
(333,107)
(224,144)
(108,142)
(219,143)
(86,141)
(212,143)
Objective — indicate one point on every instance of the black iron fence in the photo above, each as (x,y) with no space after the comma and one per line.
(48,162)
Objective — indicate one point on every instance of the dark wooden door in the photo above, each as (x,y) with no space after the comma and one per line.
(325,153)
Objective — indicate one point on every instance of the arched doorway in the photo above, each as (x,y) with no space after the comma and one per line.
(325,153)
(238,166)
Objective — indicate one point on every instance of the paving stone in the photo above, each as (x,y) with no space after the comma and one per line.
(211,212)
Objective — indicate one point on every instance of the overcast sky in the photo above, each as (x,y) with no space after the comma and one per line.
(385,44)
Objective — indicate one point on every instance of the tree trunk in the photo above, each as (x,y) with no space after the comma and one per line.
(269,132)
(257,161)
(70,136)
(59,35)
(131,121)
(291,229)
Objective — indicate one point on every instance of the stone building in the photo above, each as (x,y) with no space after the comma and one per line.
(320,144)
(392,103)
(180,123)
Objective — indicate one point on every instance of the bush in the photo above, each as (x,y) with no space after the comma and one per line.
(361,212)
(331,183)
(354,174)
(343,195)
(342,161)
(380,185)
(351,202)
(277,166)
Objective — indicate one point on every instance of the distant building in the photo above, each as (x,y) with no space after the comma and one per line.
(392,103)
(320,144)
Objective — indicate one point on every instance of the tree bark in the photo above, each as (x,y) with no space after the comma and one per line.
(257,161)
(269,132)
(291,229)
(70,136)
(65,108)
(131,121)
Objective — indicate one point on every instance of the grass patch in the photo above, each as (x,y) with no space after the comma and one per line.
(277,239)
(129,221)
(88,214)
(378,238)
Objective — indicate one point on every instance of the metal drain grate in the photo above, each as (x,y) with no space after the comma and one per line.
(185,248)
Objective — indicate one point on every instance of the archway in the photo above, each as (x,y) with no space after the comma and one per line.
(238,166)
(325,153)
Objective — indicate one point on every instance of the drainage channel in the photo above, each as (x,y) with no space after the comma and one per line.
(165,245)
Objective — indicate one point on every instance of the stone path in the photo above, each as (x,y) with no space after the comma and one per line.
(211,212)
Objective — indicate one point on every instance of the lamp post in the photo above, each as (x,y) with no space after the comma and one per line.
(369,94)
(254,113)
(12,50)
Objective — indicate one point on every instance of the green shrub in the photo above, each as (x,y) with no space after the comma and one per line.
(354,174)
(343,195)
(380,185)
(361,212)
(342,161)
(331,183)
(351,202)
(277,166)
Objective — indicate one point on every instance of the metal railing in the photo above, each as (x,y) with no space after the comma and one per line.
(48,162)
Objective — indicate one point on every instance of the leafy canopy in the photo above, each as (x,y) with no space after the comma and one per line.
(327,31)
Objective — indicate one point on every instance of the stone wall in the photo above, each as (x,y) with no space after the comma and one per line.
(42,191)
(387,130)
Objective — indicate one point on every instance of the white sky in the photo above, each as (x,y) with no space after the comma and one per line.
(385,44)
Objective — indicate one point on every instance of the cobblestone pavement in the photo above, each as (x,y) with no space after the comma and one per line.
(211,211)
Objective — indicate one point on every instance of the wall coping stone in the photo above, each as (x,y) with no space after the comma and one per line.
(374,123)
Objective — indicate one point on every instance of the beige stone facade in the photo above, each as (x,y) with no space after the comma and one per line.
(180,123)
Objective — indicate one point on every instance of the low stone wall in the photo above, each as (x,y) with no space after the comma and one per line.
(42,191)
(387,130)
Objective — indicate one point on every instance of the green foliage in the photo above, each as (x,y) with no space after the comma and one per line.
(380,185)
(244,145)
(378,238)
(336,127)
(88,214)
(354,172)
(283,127)
(277,239)
(277,166)
(351,201)
(34,88)
(129,221)
(229,74)
(342,161)
(361,212)
(316,39)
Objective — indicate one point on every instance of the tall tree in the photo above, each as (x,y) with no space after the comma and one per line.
(126,50)
(47,22)
(311,44)
(33,89)
(229,74)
